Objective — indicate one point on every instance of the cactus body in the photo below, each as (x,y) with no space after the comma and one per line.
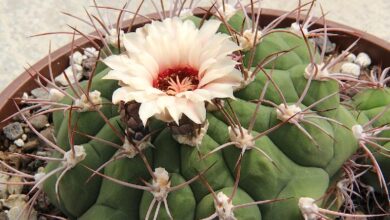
(300,166)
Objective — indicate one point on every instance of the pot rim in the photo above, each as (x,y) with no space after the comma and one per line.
(25,82)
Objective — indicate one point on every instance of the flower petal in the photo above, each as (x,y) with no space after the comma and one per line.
(122,94)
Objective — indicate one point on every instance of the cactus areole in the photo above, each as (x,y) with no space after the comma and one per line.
(194,118)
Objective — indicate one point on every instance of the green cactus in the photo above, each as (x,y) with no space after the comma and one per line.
(297,156)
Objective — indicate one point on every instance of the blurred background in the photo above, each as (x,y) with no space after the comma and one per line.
(20,19)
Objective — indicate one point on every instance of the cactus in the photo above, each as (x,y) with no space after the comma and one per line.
(267,141)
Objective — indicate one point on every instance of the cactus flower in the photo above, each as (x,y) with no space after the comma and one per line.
(177,72)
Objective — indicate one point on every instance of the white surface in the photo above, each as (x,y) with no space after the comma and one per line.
(22,18)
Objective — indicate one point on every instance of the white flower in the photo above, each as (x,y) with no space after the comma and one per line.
(172,68)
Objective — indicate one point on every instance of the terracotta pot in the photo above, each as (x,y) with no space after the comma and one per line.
(378,49)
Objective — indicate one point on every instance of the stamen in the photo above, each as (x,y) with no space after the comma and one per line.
(177,80)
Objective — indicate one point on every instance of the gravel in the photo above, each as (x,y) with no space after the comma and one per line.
(39,121)
(13,131)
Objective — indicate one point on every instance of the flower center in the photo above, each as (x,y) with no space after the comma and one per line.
(177,80)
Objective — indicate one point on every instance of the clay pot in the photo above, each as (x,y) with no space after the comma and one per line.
(379,51)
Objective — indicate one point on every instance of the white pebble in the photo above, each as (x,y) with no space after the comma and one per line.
(24,97)
(24,137)
(76,58)
(19,142)
(351,68)
(3,187)
(69,73)
(351,57)
(91,52)
(55,95)
(363,59)
(17,205)
(15,188)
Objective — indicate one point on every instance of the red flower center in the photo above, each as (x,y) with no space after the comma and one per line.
(176,80)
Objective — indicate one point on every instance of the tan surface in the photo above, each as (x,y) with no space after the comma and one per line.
(22,18)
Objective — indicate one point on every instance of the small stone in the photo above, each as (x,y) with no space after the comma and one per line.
(6,143)
(24,137)
(40,93)
(39,121)
(13,131)
(330,47)
(3,187)
(19,117)
(363,60)
(27,130)
(12,148)
(350,57)
(15,188)
(351,69)
(31,145)
(88,66)
(16,204)
(91,52)
(3,216)
(55,95)
(76,58)
(25,95)
(19,142)
(48,133)
(69,73)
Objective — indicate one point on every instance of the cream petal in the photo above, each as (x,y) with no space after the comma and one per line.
(118,62)
(209,28)
(219,70)
(174,112)
(133,42)
(205,65)
(136,82)
(147,110)
(195,96)
(196,111)
(122,94)
(234,78)
(219,90)
(147,95)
